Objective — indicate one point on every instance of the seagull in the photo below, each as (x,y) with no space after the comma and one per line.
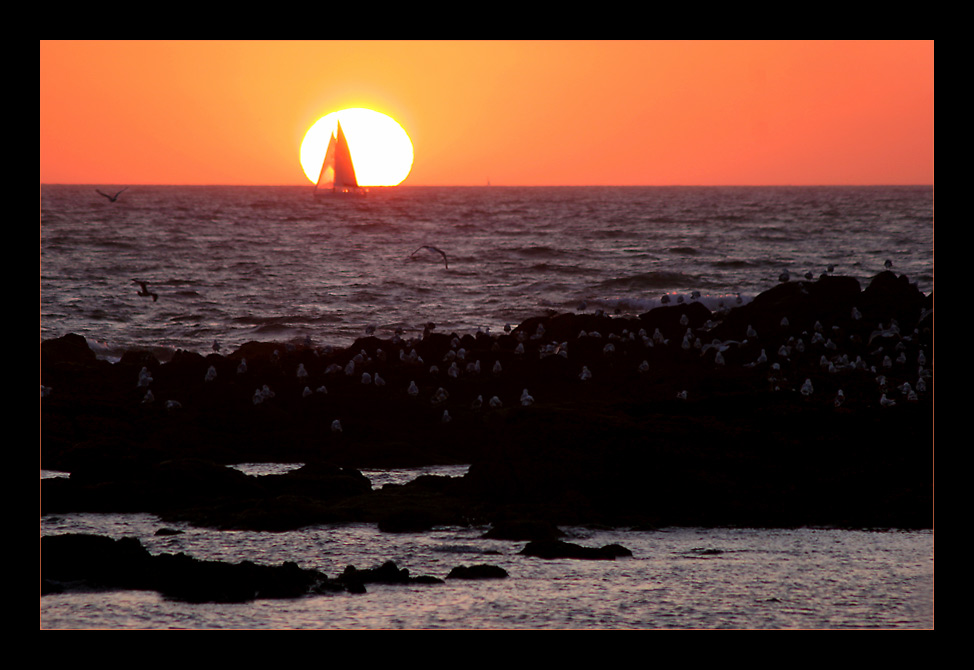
(807,388)
(436,250)
(145,292)
(888,264)
(112,198)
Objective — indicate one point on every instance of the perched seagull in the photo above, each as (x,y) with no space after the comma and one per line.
(145,292)
(112,198)
(807,388)
(433,249)
(839,398)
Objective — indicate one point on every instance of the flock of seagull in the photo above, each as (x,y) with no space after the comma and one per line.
(458,362)
(526,399)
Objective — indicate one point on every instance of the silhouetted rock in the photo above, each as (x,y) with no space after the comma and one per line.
(387,573)
(477,572)
(69,349)
(560,549)
(101,562)
(810,405)
(523,529)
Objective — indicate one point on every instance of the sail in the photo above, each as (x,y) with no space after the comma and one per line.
(337,170)
(326,178)
(344,170)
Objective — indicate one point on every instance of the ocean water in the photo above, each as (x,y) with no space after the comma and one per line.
(236,264)
(677,578)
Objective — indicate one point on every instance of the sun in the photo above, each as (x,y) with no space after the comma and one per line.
(382,152)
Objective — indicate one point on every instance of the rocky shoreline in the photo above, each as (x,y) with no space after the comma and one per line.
(96,562)
(810,405)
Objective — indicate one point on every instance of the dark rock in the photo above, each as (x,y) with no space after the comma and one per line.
(523,529)
(482,571)
(659,435)
(560,549)
(668,318)
(69,349)
(101,562)
(386,573)
(889,296)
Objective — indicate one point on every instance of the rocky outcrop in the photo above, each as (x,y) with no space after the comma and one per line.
(559,549)
(811,404)
(92,561)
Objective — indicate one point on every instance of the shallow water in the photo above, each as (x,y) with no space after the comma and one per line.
(676,578)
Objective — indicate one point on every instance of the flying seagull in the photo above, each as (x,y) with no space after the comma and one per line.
(112,198)
(434,249)
(145,292)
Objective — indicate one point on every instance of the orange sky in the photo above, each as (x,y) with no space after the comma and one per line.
(519,113)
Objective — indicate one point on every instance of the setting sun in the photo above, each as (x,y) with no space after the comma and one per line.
(381,150)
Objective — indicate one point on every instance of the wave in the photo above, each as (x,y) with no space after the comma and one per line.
(648,280)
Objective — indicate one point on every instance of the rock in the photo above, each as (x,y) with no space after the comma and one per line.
(101,562)
(70,349)
(482,571)
(523,529)
(744,447)
(386,573)
(559,549)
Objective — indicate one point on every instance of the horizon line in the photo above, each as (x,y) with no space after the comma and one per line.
(493,185)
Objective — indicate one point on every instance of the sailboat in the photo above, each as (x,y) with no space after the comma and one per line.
(337,175)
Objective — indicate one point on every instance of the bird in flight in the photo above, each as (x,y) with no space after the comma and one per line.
(434,249)
(112,198)
(145,292)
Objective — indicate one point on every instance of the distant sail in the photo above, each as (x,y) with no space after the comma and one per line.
(337,170)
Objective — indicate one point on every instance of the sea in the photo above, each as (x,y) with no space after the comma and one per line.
(234,264)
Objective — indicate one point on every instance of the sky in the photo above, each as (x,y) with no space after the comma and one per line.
(505,112)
